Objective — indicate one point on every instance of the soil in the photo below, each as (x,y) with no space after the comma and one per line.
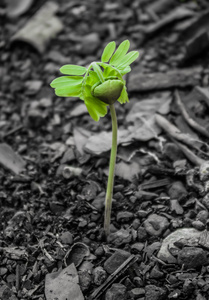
(48,212)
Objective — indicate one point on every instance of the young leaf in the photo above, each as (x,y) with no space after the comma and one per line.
(123,96)
(66,81)
(96,108)
(73,70)
(108,51)
(125,70)
(71,91)
(128,59)
(119,54)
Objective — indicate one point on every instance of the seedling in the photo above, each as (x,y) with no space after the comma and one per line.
(100,85)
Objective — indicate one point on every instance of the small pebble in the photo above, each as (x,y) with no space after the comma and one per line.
(141,234)
(99,275)
(192,257)
(120,237)
(124,216)
(156,225)
(198,225)
(117,291)
(66,238)
(153,292)
(137,293)
(177,190)
(202,216)
(115,260)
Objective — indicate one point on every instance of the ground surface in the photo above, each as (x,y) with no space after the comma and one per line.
(51,217)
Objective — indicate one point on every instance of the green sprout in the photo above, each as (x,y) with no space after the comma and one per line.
(100,85)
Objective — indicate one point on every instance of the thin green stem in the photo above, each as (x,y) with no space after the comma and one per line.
(98,70)
(110,183)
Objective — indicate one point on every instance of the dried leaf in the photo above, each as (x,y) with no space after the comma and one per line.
(63,285)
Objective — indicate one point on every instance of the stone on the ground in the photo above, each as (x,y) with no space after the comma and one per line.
(189,234)
(153,292)
(192,257)
(99,275)
(124,216)
(117,291)
(115,260)
(177,190)
(120,237)
(66,238)
(155,224)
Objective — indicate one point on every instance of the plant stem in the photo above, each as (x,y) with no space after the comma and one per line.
(110,183)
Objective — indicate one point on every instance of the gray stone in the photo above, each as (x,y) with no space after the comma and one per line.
(99,275)
(6,293)
(115,261)
(198,225)
(137,293)
(124,216)
(155,224)
(138,247)
(10,159)
(68,156)
(66,238)
(192,257)
(117,291)
(90,43)
(84,280)
(139,82)
(202,216)
(33,86)
(99,201)
(156,273)
(189,234)
(177,190)
(119,237)
(176,207)
(153,292)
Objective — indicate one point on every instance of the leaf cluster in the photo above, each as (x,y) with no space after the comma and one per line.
(80,80)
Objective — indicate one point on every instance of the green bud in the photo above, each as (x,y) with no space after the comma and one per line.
(108,91)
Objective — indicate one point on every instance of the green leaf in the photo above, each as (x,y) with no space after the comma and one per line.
(73,70)
(108,51)
(92,78)
(123,96)
(71,91)
(125,70)
(96,108)
(128,59)
(66,81)
(119,54)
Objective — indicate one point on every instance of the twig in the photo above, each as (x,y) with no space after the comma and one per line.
(175,133)
(187,118)
(14,130)
(100,290)
(189,154)
(17,277)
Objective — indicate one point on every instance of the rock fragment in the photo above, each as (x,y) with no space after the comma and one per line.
(115,260)
(156,225)
(192,257)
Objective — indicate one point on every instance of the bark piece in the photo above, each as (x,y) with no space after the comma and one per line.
(196,37)
(41,28)
(11,160)
(139,82)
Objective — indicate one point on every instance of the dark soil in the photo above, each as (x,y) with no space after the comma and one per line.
(44,212)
